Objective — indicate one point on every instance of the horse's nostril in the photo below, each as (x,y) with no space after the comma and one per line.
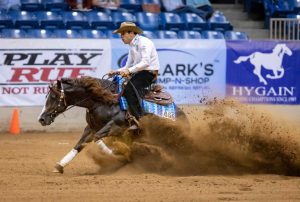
(41,120)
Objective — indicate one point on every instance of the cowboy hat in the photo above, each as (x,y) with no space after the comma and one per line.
(128,26)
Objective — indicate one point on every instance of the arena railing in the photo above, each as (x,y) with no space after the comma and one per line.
(285,29)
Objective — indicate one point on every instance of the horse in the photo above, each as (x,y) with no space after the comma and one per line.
(271,61)
(104,114)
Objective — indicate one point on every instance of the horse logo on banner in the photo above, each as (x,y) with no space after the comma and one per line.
(271,61)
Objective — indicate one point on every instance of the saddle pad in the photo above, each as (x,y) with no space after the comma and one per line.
(164,111)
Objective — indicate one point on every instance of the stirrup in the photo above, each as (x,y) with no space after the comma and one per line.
(131,119)
(134,124)
(133,127)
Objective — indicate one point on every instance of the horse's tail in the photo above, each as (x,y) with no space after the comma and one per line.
(242,59)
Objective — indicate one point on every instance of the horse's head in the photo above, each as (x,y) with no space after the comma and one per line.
(286,50)
(83,92)
(282,49)
(55,103)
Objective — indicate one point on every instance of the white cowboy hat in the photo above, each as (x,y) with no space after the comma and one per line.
(128,26)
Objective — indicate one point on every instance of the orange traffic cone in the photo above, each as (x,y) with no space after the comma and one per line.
(15,125)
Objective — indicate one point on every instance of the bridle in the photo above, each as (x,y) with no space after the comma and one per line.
(62,98)
(62,101)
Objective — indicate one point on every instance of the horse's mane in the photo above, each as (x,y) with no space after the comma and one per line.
(99,89)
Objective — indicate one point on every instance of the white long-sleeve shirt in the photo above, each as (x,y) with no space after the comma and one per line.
(142,55)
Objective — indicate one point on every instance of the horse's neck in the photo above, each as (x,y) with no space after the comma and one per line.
(87,101)
(280,55)
(83,101)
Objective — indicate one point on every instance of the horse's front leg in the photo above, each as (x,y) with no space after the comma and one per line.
(86,137)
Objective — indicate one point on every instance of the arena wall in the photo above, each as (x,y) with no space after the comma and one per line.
(190,70)
(74,119)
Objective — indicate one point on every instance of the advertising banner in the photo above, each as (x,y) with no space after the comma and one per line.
(263,71)
(189,69)
(28,66)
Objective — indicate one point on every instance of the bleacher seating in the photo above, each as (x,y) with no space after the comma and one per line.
(31,5)
(13,33)
(119,17)
(218,22)
(295,4)
(55,5)
(53,18)
(278,9)
(194,22)
(40,33)
(24,19)
(189,35)
(233,35)
(93,34)
(111,35)
(150,34)
(66,33)
(75,20)
(50,20)
(131,5)
(171,21)
(99,20)
(167,34)
(147,20)
(6,21)
(212,35)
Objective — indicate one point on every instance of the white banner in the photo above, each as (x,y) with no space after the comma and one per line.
(27,66)
(191,70)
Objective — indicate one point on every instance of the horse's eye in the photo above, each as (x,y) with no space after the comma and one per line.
(53,96)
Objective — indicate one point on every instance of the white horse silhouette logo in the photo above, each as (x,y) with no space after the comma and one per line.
(271,61)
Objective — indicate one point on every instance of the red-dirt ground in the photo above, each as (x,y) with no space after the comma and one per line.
(232,153)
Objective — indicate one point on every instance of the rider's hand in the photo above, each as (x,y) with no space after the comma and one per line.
(112,73)
(125,73)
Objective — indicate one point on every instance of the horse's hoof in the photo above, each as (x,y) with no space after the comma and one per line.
(58,169)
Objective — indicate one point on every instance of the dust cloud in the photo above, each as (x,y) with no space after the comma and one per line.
(224,138)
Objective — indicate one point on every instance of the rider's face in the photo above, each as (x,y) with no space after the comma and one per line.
(127,37)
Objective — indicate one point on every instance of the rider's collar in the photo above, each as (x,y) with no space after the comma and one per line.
(134,40)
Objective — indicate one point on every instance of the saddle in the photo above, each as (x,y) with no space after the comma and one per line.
(154,94)
(157,95)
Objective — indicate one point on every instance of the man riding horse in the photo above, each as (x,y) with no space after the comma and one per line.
(142,67)
(104,114)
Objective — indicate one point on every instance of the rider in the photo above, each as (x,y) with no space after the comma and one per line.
(142,66)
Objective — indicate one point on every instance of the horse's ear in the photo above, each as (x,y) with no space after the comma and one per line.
(58,84)
(53,89)
(67,81)
(51,85)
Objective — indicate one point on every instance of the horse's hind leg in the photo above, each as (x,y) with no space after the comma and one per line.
(86,137)
(257,72)
(103,132)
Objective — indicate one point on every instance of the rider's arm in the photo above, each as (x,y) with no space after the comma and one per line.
(145,51)
(128,63)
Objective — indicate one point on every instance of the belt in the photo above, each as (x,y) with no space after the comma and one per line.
(155,72)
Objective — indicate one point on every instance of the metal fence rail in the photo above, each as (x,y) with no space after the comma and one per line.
(285,29)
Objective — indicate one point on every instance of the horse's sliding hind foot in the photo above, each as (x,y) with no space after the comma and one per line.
(58,169)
